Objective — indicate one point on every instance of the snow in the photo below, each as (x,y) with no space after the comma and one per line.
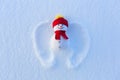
(72,51)
(18,19)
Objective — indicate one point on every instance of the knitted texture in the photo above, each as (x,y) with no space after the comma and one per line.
(59,34)
(60,21)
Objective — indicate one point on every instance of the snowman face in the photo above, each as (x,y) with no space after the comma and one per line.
(60,27)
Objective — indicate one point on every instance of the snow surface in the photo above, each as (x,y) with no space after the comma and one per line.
(72,52)
(18,19)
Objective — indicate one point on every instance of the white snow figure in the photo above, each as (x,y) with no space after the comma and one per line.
(61,42)
(60,39)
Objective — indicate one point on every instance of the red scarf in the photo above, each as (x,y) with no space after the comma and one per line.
(60,33)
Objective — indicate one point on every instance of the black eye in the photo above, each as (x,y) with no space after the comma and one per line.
(60,24)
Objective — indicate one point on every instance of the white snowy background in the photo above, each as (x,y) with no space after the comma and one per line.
(18,18)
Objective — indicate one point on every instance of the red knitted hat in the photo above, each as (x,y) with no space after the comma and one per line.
(60,20)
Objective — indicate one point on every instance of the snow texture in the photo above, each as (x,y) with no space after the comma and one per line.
(72,51)
(18,19)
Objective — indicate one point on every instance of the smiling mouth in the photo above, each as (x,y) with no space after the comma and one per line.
(61,28)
